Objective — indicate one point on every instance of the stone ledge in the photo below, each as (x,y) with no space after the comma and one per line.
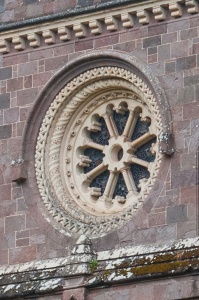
(121,265)
(88,24)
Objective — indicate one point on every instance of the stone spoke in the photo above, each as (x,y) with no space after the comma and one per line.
(139,161)
(142,140)
(94,145)
(128,178)
(112,129)
(95,172)
(110,185)
(130,124)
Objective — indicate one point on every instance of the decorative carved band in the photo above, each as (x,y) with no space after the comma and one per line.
(55,140)
(86,25)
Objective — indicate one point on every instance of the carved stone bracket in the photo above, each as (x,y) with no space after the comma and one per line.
(166,143)
(19,171)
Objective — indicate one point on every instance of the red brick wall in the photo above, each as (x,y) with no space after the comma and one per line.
(171,51)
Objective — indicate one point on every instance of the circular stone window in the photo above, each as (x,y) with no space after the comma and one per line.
(96,154)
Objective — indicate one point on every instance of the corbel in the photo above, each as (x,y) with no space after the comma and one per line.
(49,36)
(127,20)
(192,6)
(111,23)
(64,33)
(80,30)
(19,170)
(34,39)
(96,26)
(143,16)
(159,13)
(19,43)
(4,46)
(166,143)
(175,9)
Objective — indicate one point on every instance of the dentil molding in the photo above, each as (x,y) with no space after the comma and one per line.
(85,25)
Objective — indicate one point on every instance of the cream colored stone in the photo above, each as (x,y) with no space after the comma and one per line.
(75,199)
(127,20)
(49,36)
(144,16)
(4,46)
(19,43)
(64,33)
(34,39)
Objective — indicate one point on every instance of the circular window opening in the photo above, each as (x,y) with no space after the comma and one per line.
(96,155)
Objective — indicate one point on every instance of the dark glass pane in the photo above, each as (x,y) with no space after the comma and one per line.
(96,156)
(101,137)
(140,129)
(120,189)
(144,152)
(138,173)
(120,121)
(100,181)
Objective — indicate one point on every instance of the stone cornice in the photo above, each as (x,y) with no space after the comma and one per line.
(95,23)
(104,268)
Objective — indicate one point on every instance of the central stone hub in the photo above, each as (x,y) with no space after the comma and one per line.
(116,153)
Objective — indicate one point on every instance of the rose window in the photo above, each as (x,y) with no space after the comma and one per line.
(97,151)
(113,153)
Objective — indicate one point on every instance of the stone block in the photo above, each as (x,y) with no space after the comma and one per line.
(186,63)
(27,96)
(23,254)
(15,84)
(186,230)
(5,101)
(83,45)
(157,219)
(170,67)
(179,49)
(11,115)
(28,81)
(5,73)
(179,25)
(188,34)
(152,50)
(41,78)
(5,131)
(55,63)
(110,39)
(186,94)
(128,46)
(168,38)
(16,59)
(27,68)
(191,110)
(14,223)
(22,242)
(157,29)
(176,214)
(152,41)
(145,236)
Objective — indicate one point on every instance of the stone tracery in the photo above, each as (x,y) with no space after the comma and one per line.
(68,133)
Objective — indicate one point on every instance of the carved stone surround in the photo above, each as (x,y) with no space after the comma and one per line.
(59,162)
(86,25)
